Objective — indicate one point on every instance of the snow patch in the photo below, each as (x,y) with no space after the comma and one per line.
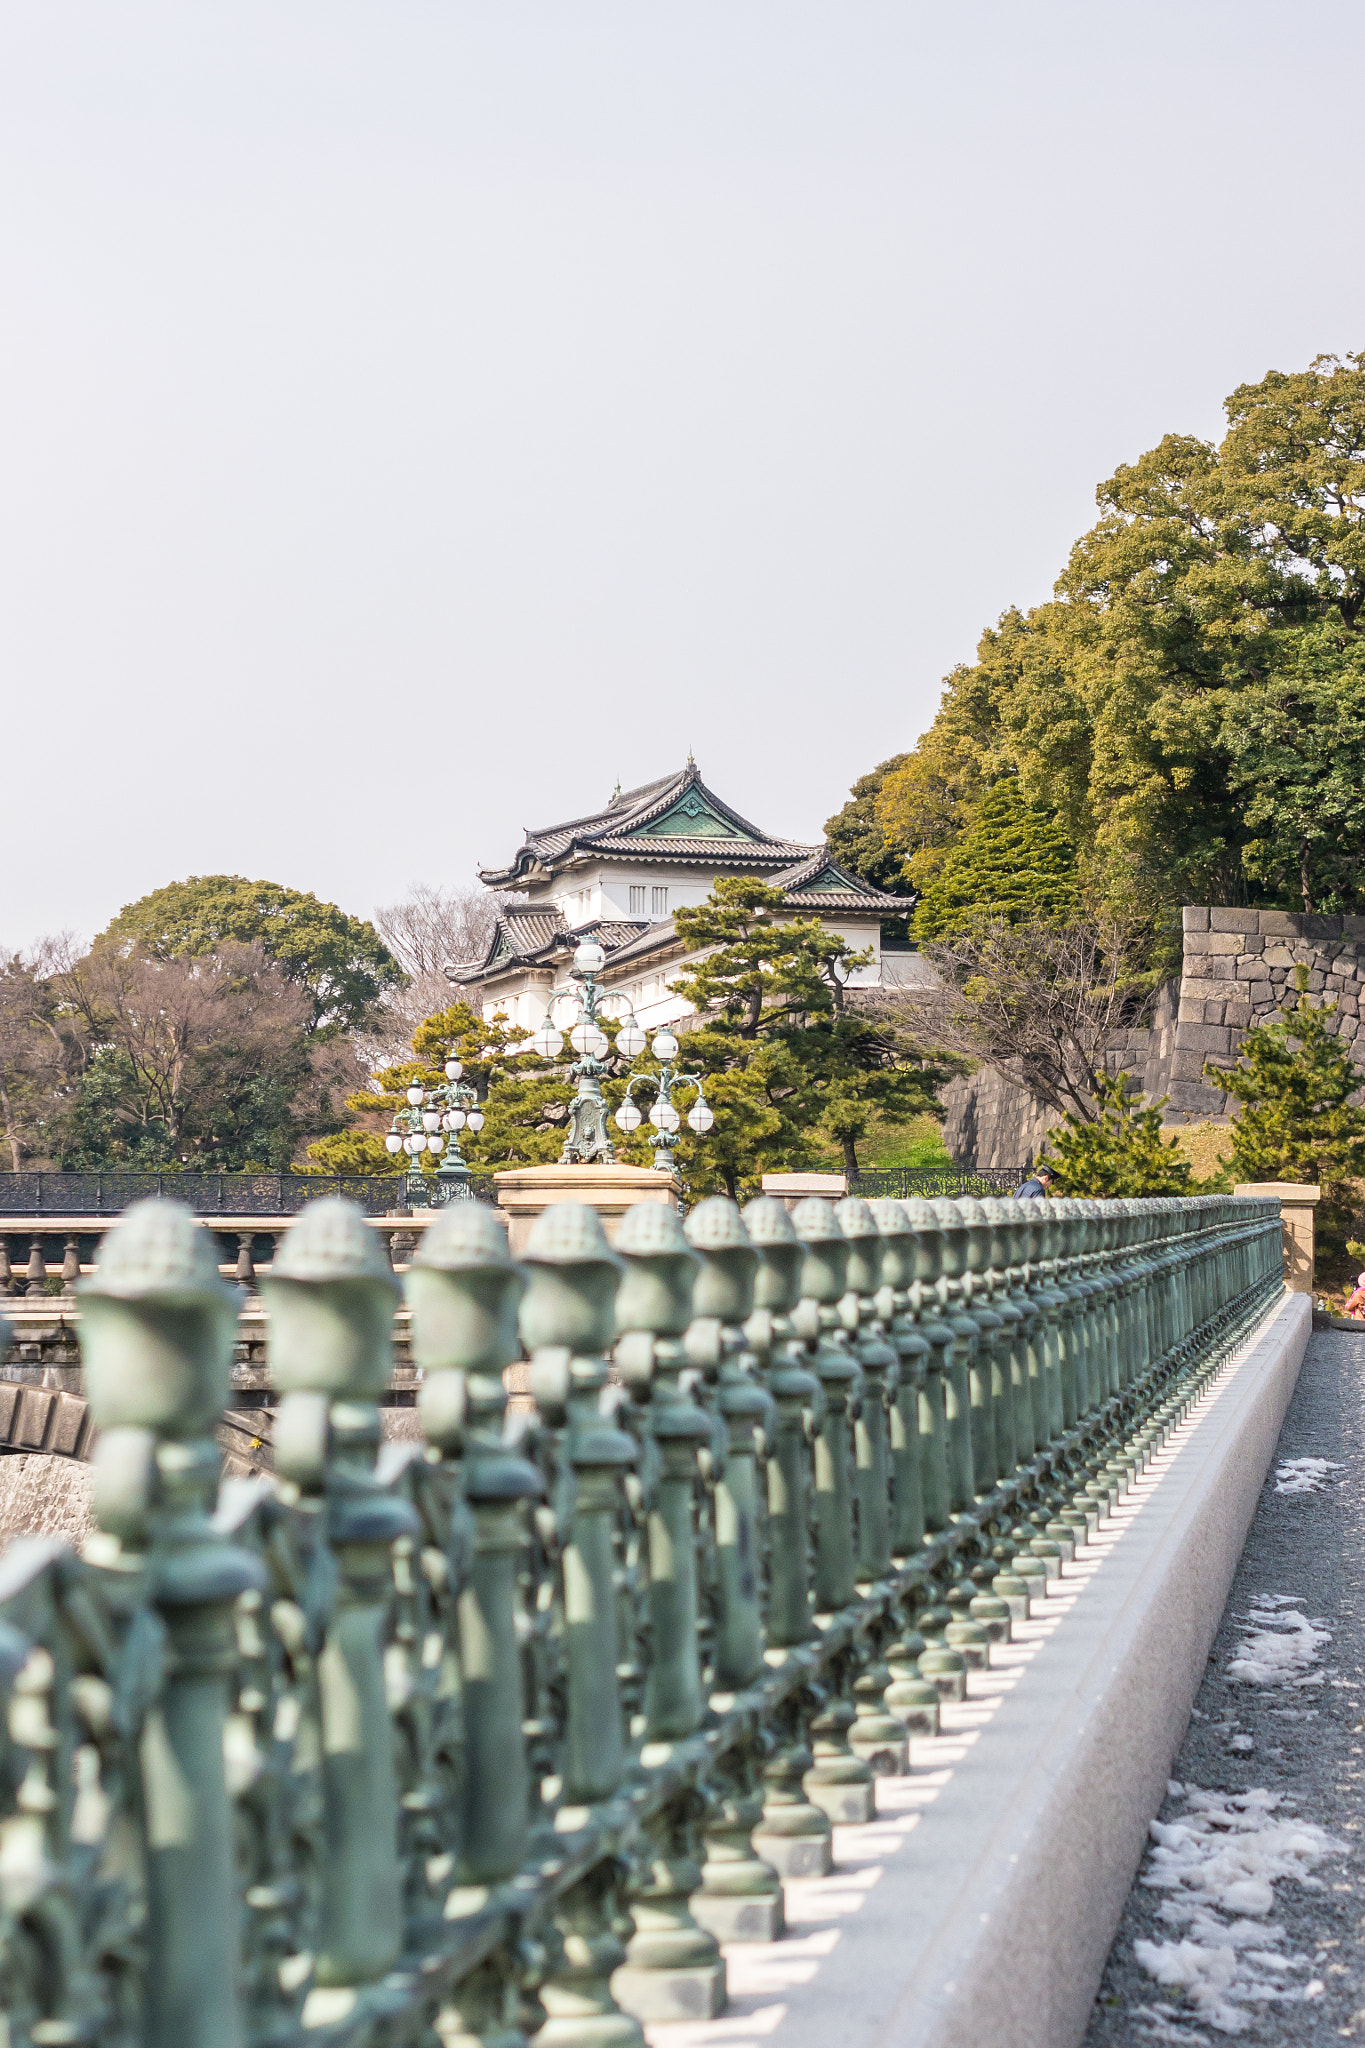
(1283,1643)
(1161,2027)
(1221,1861)
(1304,1475)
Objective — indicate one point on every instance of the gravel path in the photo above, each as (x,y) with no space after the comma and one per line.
(1258,1928)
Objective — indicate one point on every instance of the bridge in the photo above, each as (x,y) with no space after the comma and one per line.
(803,1661)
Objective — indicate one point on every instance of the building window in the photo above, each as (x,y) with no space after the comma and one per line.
(658,902)
(637,900)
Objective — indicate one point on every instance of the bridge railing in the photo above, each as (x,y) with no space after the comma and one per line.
(207,1194)
(905,1183)
(497,1736)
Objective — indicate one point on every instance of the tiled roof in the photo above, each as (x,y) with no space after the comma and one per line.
(738,853)
(532,929)
(854,894)
(523,936)
(611,832)
(655,938)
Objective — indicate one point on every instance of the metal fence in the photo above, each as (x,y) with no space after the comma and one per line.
(500,1736)
(903,1182)
(207,1194)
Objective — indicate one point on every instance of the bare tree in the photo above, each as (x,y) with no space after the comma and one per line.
(159,1014)
(1042,1005)
(438,928)
(34,1052)
(434,929)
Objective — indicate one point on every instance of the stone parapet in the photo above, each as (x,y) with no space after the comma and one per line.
(791,1188)
(525,1192)
(1298,1217)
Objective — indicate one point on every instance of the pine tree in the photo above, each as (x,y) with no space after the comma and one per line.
(1297,1122)
(353,1151)
(523,1098)
(1120,1154)
(787,1060)
(1013,863)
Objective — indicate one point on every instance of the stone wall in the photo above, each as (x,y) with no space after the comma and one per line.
(1239,968)
(989,1120)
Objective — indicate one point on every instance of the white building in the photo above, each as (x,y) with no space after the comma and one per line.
(619,875)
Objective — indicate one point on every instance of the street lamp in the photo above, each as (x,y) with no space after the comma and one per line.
(664,1115)
(588,1136)
(431,1121)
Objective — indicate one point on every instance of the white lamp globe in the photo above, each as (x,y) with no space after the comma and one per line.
(700,1118)
(628,1117)
(630,1041)
(581,1036)
(455,1121)
(599,1045)
(547,1041)
(589,958)
(414,1095)
(434,1144)
(393,1143)
(664,1117)
(476,1119)
(453,1070)
(665,1046)
(431,1119)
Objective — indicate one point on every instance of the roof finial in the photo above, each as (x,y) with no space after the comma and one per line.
(616,793)
(690,761)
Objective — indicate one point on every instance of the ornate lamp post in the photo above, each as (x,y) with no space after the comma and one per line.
(589,1136)
(664,1115)
(431,1121)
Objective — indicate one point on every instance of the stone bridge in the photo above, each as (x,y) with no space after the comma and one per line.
(802,1661)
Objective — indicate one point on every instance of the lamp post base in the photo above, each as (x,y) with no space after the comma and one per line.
(525,1191)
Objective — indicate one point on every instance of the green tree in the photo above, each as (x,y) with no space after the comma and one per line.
(338,961)
(1294,754)
(1185,703)
(1012,864)
(204,1061)
(1118,1153)
(353,1152)
(524,1099)
(1294,1082)
(787,1059)
(855,836)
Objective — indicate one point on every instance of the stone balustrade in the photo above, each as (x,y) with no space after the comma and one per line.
(501,1734)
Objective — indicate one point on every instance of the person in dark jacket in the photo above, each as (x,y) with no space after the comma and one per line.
(1036,1187)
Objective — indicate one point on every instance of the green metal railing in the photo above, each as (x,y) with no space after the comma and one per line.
(213,1194)
(499,1735)
(908,1182)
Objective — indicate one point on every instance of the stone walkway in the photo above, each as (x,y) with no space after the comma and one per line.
(1258,1926)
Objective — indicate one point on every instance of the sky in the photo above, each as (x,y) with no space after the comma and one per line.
(416,416)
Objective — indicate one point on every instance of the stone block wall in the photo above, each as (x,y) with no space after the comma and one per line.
(990,1121)
(1239,969)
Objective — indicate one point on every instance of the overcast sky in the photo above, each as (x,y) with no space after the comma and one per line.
(415,415)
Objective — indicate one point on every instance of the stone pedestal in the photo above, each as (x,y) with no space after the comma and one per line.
(1298,1206)
(525,1191)
(791,1188)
